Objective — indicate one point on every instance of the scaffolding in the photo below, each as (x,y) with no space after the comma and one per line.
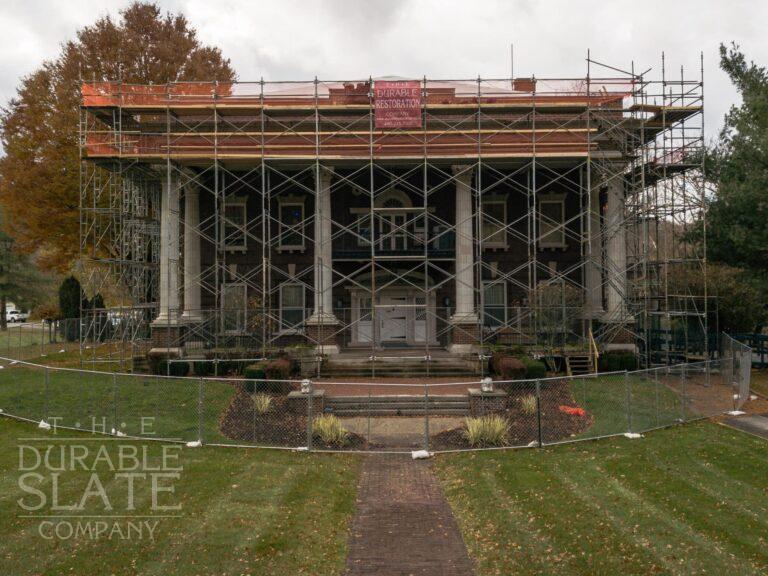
(599,178)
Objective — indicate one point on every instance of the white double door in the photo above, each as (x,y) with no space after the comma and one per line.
(400,318)
(393,319)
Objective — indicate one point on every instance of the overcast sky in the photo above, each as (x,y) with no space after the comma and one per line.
(340,39)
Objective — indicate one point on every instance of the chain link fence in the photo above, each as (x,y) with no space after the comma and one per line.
(392,415)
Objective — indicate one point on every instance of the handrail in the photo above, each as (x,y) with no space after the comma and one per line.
(593,349)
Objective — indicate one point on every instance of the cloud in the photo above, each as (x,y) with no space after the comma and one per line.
(353,39)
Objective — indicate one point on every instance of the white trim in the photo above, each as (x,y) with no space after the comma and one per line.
(292,329)
(503,225)
(486,284)
(558,228)
(240,329)
(240,202)
(286,229)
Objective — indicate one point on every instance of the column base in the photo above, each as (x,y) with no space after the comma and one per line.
(166,336)
(464,336)
(321,330)
(590,313)
(194,317)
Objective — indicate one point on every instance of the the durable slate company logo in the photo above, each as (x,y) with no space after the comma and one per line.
(97,487)
(397,104)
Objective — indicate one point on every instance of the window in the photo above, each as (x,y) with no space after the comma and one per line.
(494,223)
(292,307)
(233,224)
(494,304)
(292,225)
(234,307)
(363,229)
(552,223)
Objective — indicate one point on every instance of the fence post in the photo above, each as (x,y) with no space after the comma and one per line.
(310,394)
(426,417)
(538,413)
(200,408)
(114,403)
(656,393)
(46,406)
(629,401)
(682,386)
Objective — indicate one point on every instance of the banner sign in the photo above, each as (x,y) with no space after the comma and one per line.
(397,104)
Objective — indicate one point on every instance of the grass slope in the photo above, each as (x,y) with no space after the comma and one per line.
(243,512)
(685,500)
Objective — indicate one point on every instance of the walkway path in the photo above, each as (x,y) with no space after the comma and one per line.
(403,524)
(756,424)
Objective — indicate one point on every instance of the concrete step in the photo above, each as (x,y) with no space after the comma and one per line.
(400,412)
(400,405)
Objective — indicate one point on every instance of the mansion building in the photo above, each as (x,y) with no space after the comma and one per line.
(376,214)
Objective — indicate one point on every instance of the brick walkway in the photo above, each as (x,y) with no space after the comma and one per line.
(403,524)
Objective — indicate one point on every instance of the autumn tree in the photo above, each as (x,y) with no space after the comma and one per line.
(39,175)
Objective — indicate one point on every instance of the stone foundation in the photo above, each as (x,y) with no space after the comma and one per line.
(324,337)
(167,341)
(464,338)
(297,402)
(484,403)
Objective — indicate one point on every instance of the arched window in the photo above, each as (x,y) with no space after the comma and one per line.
(392,203)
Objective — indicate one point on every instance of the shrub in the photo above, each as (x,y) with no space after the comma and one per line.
(163,368)
(492,430)
(278,369)
(534,368)
(617,361)
(330,430)
(202,368)
(507,367)
(255,371)
(528,404)
(262,378)
(262,403)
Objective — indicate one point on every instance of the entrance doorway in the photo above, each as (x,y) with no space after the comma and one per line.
(399,317)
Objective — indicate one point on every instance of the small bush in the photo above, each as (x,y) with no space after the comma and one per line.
(265,377)
(528,404)
(202,368)
(255,371)
(262,403)
(507,367)
(617,361)
(534,368)
(490,430)
(330,430)
(165,368)
(278,369)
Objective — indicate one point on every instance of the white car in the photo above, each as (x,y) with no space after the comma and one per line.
(16,316)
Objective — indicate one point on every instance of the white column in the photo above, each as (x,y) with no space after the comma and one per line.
(594,265)
(169,253)
(191,254)
(323,313)
(616,253)
(465,312)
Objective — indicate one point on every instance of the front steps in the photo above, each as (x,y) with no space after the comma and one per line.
(401,405)
(578,364)
(358,365)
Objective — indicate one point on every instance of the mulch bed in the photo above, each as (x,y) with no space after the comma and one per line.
(278,427)
(556,425)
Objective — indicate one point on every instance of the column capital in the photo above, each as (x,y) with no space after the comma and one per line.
(192,189)
(326,173)
(463,172)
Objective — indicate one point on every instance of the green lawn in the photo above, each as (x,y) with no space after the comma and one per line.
(121,401)
(686,500)
(243,512)
(759,382)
